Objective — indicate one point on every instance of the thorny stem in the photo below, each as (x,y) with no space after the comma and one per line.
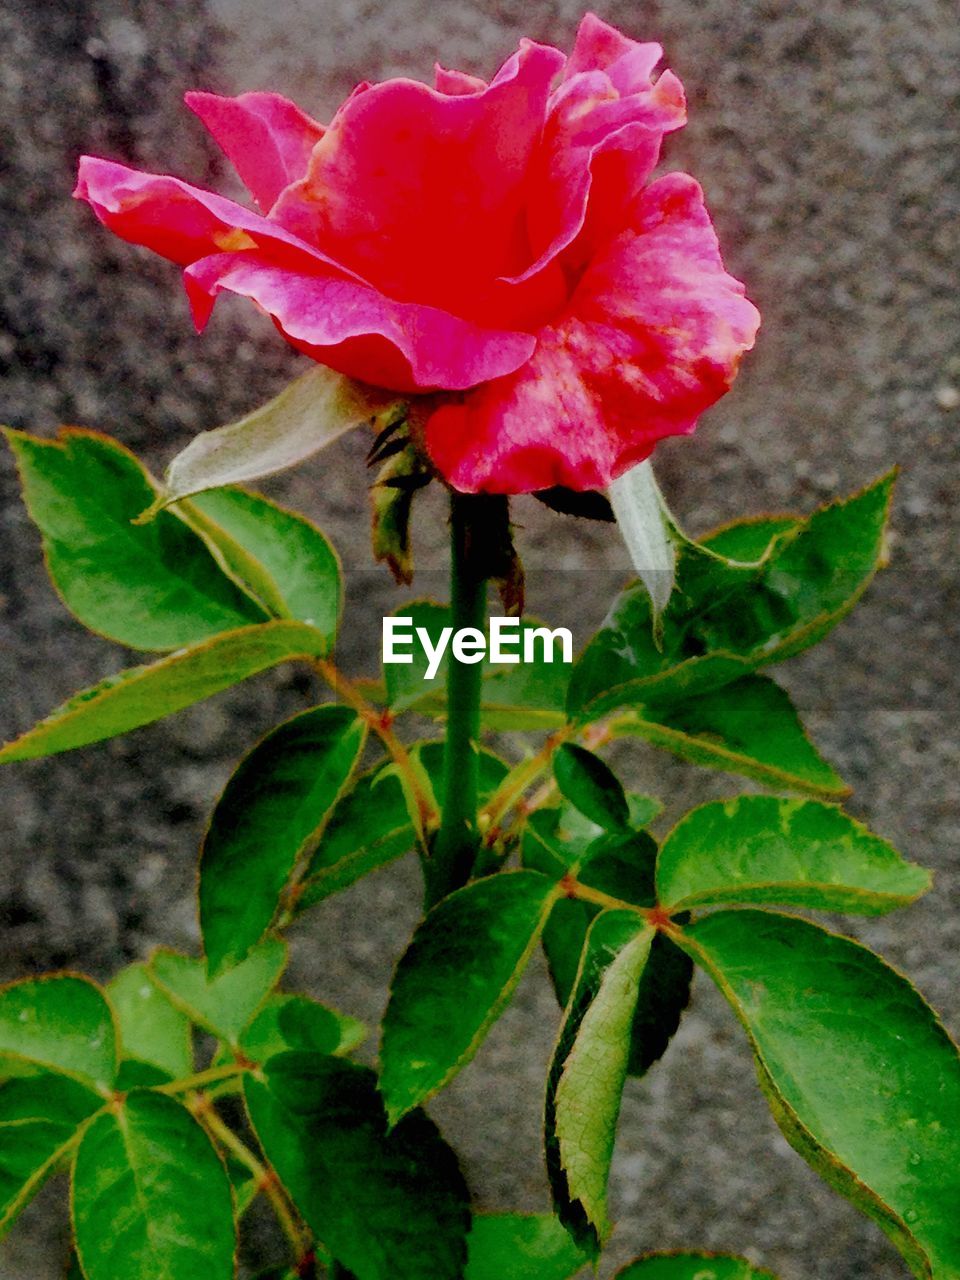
(455,849)
(381,723)
(264,1178)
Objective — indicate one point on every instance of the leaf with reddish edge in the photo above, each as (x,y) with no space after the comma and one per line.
(749,728)
(152,1030)
(271,809)
(763,849)
(155,587)
(860,1075)
(280,555)
(40,1118)
(588,1071)
(727,618)
(455,979)
(141,695)
(61,1022)
(623,867)
(225,1005)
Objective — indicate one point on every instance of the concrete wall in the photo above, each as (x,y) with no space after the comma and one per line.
(826,137)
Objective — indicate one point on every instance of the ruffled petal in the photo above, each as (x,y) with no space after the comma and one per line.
(456,83)
(423,193)
(179,221)
(356,330)
(600,47)
(254,256)
(653,336)
(267,138)
(608,110)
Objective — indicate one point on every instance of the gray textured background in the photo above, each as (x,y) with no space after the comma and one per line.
(826,136)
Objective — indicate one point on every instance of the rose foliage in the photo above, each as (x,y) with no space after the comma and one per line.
(499,256)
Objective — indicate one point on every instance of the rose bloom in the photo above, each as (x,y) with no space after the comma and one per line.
(501,242)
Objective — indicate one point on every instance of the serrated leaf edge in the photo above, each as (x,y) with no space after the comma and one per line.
(60,442)
(821,1160)
(84,698)
(670,739)
(619,695)
(496,1008)
(185,1007)
(306,846)
(710,896)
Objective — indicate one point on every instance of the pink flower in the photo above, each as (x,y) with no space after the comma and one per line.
(499,242)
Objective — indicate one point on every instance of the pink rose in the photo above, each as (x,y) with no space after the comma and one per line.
(501,242)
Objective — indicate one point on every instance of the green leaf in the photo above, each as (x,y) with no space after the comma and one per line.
(61,1022)
(795,852)
(388,1205)
(39,1120)
(280,555)
(591,786)
(749,538)
(369,827)
(623,867)
(153,587)
(588,1071)
(151,1199)
(297,1022)
(455,979)
(749,728)
(521,1246)
(692,1266)
(224,1005)
(270,810)
(141,695)
(859,1073)
(727,618)
(648,530)
(305,417)
(579,831)
(152,1030)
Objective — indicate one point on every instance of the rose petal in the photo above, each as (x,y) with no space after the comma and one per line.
(653,336)
(607,110)
(356,330)
(267,138)
(408,346)
(179,221)
(599,47)
(423,193)
(456,83)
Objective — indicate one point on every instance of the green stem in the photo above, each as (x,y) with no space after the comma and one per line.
(203,1078)
(266,1181)
(455,847)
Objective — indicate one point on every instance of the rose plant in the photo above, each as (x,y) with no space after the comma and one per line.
(486,276)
